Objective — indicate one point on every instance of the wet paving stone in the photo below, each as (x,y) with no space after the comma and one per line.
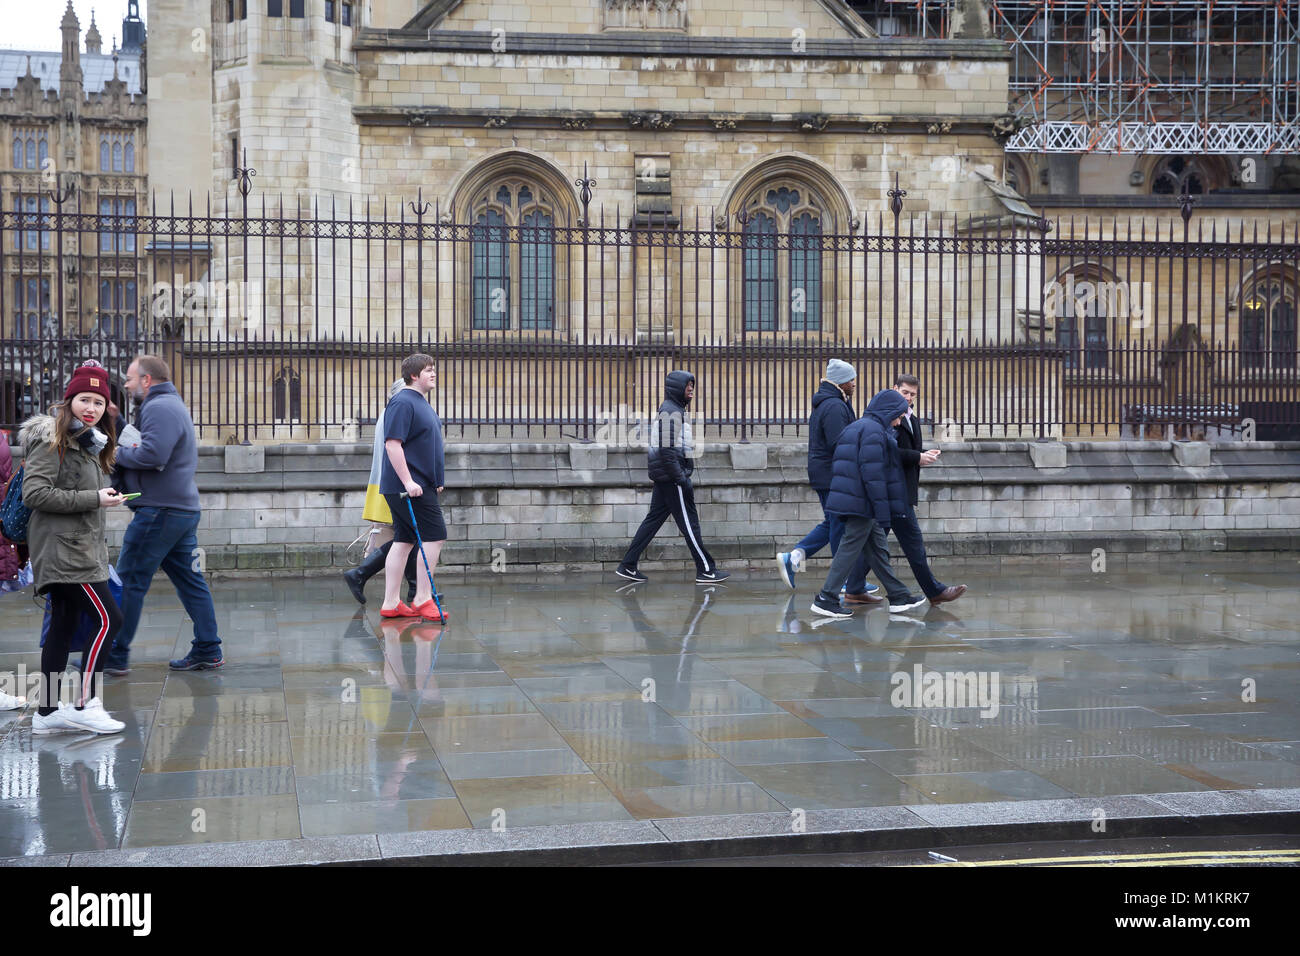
(212,820)
(383,816)
(556,700)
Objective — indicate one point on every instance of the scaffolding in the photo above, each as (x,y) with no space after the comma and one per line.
(1137,76)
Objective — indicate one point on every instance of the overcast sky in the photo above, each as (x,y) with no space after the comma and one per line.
(34,24)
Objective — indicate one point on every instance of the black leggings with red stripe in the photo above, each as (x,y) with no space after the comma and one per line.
(68,602)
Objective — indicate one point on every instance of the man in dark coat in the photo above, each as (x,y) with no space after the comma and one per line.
(670,464)
(831,414)
(905,526)
(867,489)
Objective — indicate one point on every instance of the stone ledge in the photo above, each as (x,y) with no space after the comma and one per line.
(757,550)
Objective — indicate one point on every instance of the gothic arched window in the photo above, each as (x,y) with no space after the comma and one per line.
(1268,321)
(512,258)
(1171,176)
(286,395)
(1084,301)
(781,258)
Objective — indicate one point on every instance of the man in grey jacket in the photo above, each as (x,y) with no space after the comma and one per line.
(162,531)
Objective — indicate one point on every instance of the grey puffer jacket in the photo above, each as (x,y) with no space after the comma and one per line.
(66,532)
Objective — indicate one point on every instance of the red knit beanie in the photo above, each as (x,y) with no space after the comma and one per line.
(89,377)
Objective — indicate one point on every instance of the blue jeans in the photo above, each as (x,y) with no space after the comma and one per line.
(830,531)
(164,538)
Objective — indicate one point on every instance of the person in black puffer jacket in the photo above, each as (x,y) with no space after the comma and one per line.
(867,489)
(670,465)
(831,414)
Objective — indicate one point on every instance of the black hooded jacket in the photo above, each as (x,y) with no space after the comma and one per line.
(670,433)
(831,414)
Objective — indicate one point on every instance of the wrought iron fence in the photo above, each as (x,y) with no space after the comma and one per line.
(287,320)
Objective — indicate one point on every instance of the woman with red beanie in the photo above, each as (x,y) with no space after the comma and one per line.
(66,488)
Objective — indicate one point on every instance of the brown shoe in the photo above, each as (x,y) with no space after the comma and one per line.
(949,594)
(863,598)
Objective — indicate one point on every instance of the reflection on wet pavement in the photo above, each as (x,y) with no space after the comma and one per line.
(556,700)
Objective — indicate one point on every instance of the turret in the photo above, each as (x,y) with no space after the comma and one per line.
(94,43)
(70,67)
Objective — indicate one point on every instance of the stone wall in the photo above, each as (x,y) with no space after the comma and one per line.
(556,506)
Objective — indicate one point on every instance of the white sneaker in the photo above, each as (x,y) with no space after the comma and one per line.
(94,718)
(9,702)
(55,723)
(906,604)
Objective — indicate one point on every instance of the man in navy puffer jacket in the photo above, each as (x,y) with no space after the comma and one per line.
(867,488)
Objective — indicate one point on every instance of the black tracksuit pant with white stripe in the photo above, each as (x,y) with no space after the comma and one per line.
(679,501)
(68,603)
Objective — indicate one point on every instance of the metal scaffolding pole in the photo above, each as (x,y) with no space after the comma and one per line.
(1137,76)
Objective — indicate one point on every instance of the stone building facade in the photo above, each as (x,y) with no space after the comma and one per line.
(702,120)
(74,128)
(722,143)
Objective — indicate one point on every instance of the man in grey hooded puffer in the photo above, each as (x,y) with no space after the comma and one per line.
(670,464)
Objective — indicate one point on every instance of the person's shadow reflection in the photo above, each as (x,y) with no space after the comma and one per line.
(404,778)
(671,657)
(81,804)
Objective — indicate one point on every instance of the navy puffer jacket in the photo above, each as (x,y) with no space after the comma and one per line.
(670,455)
(831,414)
(867,475)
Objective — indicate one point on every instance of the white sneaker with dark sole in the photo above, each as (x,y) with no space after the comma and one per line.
(93,718)
(907,605)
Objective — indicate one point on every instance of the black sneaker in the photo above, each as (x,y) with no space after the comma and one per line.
(191,663)
(829,607)
(906,603)
(355,584)
(632,574)
(712,577)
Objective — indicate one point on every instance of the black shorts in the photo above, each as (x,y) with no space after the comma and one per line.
(427,512)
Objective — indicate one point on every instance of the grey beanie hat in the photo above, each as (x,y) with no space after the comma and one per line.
(840,372)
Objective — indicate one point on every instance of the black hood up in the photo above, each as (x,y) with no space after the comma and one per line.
(675,386)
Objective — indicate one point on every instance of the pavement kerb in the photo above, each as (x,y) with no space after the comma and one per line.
(681,839)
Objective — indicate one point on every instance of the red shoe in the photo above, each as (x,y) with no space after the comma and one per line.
(402,610)
(429,611)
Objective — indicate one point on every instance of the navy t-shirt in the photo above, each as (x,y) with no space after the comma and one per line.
(411,420)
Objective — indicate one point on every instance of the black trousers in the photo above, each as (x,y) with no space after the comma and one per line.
(679,501)
(68,602)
